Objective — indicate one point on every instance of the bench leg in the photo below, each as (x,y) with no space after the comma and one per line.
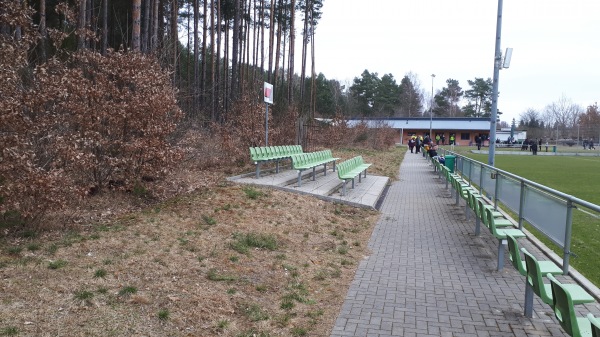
(314,173)
(257,170)
(359,179)
(365,173)
(467,211)
(457,197)
(528,307)
(501,249)
(299,178)
(325,166)
(344,188)
(352,183)
(277,166)
(334,166)
(477,225)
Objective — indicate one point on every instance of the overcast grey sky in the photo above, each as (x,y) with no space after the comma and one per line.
(556,46)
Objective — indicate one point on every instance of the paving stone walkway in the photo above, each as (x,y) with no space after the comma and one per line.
(428,275)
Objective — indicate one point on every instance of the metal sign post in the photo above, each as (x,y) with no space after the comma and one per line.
(268,95)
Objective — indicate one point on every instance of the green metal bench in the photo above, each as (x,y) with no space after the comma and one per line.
(514,255)
(501,233)
(312,160)
(535,285)
(563,304)
(265,154)
(350,169)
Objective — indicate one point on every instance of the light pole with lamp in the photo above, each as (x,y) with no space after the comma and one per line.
(431,111)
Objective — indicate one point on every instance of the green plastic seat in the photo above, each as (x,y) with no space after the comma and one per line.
(519,264)
(564,311)
(472,196)
(350,169)
(544,291)
(490,216)
(500,232)
(595,325)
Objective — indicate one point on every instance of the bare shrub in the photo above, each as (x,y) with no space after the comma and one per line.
(245,127)
(338,133)
(27,190)
(104,118)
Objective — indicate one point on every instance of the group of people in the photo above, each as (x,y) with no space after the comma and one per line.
(533,145)
(588,144)
(416,143)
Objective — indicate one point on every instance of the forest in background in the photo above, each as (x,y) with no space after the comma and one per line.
(102,95)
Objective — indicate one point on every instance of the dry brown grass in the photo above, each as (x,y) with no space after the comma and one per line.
(177,268)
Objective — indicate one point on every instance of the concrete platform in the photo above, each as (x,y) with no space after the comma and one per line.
(327,187)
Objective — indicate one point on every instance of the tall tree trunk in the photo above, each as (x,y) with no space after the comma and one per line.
(305,38)
(204,52)
(146,26)
(225,76)
(246,48)
(218,83)
(189,85)
(213,64)
(235,52)
(196,55)
(43,32)
(89,9)
(104,47)
(136,19)
(280,16)
(262,37)
(313,68)
(81,24)
(155,26)
(161,27)
(255,40)
(271,40)
(291,53)
(280,70)
(175,39)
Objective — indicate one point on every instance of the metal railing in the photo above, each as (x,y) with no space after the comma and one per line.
(546,209)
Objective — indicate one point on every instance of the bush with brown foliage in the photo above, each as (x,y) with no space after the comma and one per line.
(245,127)
(338,133)
(106,118)
(77,122)
(27,187)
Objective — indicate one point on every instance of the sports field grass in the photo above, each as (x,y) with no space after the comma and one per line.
(575,175)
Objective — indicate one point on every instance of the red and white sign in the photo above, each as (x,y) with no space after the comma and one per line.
(268,93)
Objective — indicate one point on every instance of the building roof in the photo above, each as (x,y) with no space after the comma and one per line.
(425,123)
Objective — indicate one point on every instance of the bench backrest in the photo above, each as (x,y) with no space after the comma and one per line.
(489,216)
(534,277)
(485,218)
(514,255)
(563,308)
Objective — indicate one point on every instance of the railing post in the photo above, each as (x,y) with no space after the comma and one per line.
(568,232)
(521,204)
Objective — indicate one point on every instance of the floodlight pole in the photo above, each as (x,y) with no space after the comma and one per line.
(497,65)
(431,110)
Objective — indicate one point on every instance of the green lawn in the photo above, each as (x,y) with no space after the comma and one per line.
(577,176)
